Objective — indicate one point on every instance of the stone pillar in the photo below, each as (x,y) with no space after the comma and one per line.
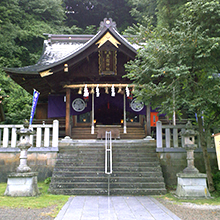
(159,137)
(55,133)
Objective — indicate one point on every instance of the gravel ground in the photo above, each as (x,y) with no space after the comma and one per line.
(190,211)
(185,211)
(25,214)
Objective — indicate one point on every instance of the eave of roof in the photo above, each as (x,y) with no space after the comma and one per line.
(74,45)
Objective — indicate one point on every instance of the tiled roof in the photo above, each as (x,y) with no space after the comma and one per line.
(58,48)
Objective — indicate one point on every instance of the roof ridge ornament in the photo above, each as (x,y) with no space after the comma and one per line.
(107,23)
(108,37)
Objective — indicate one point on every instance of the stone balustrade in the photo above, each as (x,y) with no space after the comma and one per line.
(46,135)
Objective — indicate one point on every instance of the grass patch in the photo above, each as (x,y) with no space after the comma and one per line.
(215,200)
(44,200)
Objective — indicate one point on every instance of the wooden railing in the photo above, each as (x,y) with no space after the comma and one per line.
(45,135)
(168,136)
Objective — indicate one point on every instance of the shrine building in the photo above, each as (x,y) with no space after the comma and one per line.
(81,83)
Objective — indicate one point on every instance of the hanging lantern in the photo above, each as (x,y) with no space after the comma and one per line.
(113,91)
(97,91)
(92,90)
(66,68)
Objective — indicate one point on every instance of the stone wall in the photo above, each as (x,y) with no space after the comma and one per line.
(174,161)
(41,160)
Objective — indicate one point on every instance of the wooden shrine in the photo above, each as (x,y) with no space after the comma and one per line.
(80,80)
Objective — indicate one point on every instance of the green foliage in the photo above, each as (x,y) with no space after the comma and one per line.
(177,69)
(163,13)
(183,63)
(216,180)
(18,106)
(85,13)
(47,180)
(168,11)
(142,9)
(215,200)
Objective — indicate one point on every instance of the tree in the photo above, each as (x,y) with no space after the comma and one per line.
(163,13)
(142,9)
(183,62)
(85,13)
(21,37)
(168,11)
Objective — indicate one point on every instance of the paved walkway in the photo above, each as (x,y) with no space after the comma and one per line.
(114,208)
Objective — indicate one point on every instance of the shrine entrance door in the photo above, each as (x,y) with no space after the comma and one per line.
(109,110)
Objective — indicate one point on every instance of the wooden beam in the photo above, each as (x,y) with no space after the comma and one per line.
(100,85)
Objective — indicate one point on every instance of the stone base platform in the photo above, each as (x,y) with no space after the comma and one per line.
(22,184)
(192,186)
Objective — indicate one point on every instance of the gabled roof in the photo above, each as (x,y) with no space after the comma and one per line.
(59,49)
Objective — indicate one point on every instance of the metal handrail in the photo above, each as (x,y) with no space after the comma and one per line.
(108,152)
(108,156)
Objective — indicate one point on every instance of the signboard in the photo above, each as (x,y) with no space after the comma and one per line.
(217,147)
(107,62)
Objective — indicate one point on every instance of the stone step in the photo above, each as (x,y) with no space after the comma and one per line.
(104,185)
(78,191)
(80,168)
(134,132)
(142,191)
(100,143)
(97,178)
(101,158)
(115,164)
(83,173)
(101,169)
(100,191)
(120,143)
(124,151)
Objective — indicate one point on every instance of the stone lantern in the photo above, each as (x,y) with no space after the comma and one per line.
(23,182)
(190,183)
(189,144)
(24,145)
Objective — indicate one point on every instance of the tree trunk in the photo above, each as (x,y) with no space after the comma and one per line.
(205,155)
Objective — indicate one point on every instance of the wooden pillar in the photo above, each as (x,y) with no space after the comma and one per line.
(93,110)
(148,121)
(68,128)
(125,127)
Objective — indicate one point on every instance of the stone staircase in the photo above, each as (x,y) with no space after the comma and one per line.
(79,169)
(133,132)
